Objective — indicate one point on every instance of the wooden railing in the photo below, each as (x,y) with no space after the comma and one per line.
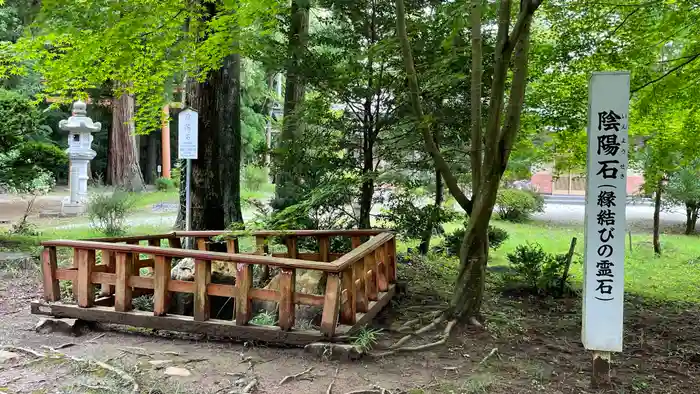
(359,283)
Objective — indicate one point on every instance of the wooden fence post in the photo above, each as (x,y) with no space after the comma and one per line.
(331,304)
(292,247)
(108,259)
(348,307)
(202,278)
(232,246)
(371,276)
(160,285)
(361,286)
(86,263)
(49,264)
(382,269)
(391,259)
(324,248)
(122,293)
(286,302)
(244,281)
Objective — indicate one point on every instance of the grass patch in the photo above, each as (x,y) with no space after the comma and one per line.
(673,276)
(264,319)
(366,338)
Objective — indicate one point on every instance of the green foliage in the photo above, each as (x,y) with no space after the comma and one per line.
(453,241)
(264,318)
(366,338)
(143,303)
(409,218)
(517,205)
(108,211)
(540,271)
(164,184)
(254,177)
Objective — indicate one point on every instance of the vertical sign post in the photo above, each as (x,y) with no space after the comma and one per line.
(187,149)
(605,224)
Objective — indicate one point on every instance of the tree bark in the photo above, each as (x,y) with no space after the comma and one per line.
(286,181)
(215,187)
(691,217)
(657,217)
(123,167)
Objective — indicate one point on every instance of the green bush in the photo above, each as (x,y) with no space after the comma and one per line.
(409,218)
(254,177)
(515,205)
(164,184)
(453,241)
(107,211)
(542,272)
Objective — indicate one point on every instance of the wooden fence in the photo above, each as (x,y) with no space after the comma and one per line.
(359,283)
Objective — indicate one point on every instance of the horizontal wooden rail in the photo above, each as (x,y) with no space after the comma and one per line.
(273,233)
(196,254)
(132,238)
(361,251)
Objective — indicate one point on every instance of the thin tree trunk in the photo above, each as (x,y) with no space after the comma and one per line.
(367,189)
(123,166)
(432,224)
(286,181)
(657,217)
(475,102)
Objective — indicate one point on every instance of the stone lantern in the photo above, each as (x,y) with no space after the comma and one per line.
(80,129)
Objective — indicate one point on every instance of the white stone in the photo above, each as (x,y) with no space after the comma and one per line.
(176,371)
(160,362)
(7,356)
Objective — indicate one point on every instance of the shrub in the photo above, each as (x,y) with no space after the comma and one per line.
(254,178)
(409,218)
(164,184)
(541,271)
(516,205)
(107,211)
(453,241)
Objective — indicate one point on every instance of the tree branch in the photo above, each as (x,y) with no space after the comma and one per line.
(423,126)
(667,73)
(527,8)
(517,95)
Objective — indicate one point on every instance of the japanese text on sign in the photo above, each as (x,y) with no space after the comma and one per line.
(606,196)
(187,134)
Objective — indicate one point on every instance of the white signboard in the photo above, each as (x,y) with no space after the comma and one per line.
(187,134)
(606,197)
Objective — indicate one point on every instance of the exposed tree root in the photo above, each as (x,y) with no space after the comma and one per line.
(493,351)
(56,355)
(251,386)
(289,378)
(398,348)
(330,386)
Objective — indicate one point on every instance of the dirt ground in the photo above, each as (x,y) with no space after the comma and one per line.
(537,342)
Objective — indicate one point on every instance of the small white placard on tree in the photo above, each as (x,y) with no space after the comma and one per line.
(187,134)
(606,199)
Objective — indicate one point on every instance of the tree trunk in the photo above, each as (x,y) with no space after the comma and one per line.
(151,172)
(230,140)
(691,217)
(657,217)
(123,167)
(215,183)
(367,184)
(286,181)
(424,246)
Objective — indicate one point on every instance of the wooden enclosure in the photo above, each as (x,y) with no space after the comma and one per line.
(359,283)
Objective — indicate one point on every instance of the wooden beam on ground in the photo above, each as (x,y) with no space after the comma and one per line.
(213,327)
